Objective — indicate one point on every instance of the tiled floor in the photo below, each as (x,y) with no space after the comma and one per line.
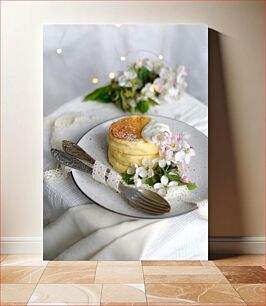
(27,280)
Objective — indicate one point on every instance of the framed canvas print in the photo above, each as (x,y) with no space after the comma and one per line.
(125,142)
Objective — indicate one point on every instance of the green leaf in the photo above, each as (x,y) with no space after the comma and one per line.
(149,181)
(145,75)
(191,186)
(152,102)
(101,94)
(123,101)
(173,177)
(143,106)
(159,171)
(128,178)
(115,95)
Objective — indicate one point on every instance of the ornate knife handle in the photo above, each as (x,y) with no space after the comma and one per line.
(99,171)
(70,161)
(75,150)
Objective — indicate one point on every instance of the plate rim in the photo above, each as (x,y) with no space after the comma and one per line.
(123,214)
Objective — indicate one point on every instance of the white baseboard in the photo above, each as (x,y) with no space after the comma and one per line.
(217,245)
(21,245)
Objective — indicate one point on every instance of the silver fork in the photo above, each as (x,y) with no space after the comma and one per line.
(141,199)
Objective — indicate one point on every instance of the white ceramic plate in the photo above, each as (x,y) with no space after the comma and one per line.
(95,143)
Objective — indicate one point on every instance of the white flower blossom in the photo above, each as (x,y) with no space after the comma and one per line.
(162,163)
(164,160)
(164,185)
(130,74)
(185,154)
(132,169)
(168,86)
(141,172)
(146,169)
(137,182)
(171,82)
(154,65)
(148,92)
(124,78)
(174,154)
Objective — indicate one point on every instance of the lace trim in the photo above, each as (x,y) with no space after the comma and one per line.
(114,180)
(99,172)
(178,193)
(54,175)
(181,193)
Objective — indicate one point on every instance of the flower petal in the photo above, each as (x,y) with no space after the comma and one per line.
(185,144)
(164,180)
(138,169)
(192,152)
(130,171)
(150,173)
(162,192)
(143,173)
(179,155)
(184,179)
(172,184)
(157,186)
(154,161)
(138,182)
(187,159)
(145,162)
(162,163)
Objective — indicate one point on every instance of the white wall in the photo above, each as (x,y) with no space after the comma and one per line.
(241,48)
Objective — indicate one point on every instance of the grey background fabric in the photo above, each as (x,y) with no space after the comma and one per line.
(90,51)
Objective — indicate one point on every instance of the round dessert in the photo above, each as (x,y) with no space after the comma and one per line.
(126,143)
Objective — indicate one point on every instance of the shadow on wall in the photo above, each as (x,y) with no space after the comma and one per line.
(225,217)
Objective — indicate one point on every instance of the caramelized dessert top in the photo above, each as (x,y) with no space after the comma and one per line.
(129,128)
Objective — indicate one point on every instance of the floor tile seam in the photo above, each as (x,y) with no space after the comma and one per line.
(158,265)
(244,266)
(36,285)
(246,284)
(144,282)
(97,263)
(48,268)
(70,283)
(237,292)
(201,304)
(101,294)
(201,283)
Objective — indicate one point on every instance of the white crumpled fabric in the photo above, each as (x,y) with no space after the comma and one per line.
(77,229)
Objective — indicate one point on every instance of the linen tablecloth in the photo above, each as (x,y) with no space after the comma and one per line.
(77,229)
